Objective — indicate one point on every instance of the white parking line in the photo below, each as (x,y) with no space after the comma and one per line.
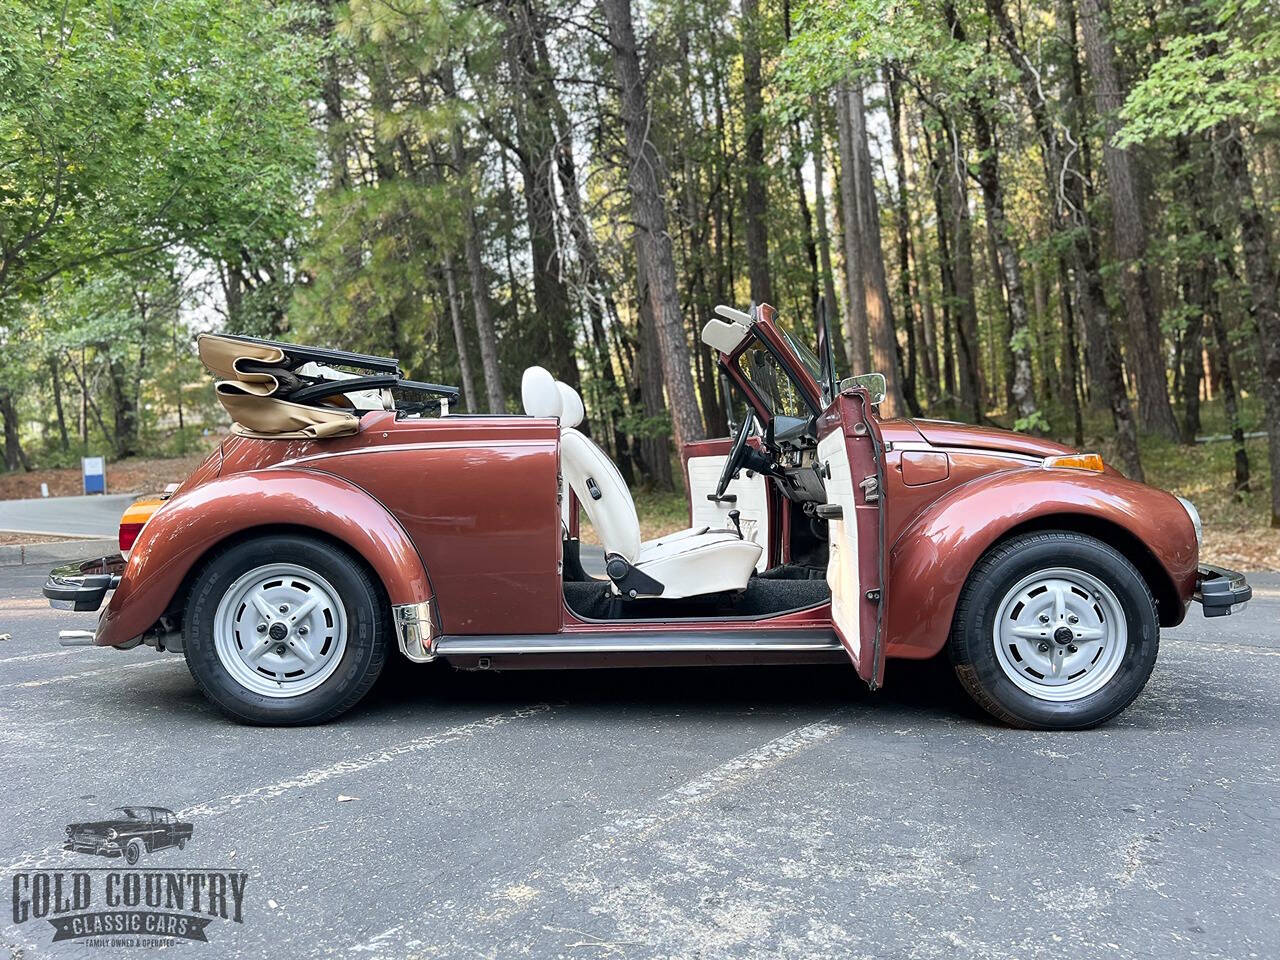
(589,854)
(39,656)
(44,682)
(345,768)
(1209,646)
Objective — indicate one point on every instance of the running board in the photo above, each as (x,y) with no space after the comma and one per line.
(749,641)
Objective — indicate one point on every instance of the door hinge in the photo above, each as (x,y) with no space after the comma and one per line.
(870,489)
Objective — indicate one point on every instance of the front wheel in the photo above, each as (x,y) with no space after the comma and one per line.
(133,852)
(285,630)
(1054,631)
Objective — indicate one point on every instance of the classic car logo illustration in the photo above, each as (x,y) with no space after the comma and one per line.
(129,832)
(129,904)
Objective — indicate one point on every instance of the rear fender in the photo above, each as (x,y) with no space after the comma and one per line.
(931,560)
(192,524)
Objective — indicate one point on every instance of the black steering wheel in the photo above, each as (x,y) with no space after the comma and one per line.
(737,455)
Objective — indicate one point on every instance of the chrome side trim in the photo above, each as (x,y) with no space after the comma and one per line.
(925,447)
(415,631)
(667,642)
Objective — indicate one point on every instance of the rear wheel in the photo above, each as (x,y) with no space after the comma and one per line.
(1054,630)
(285,630)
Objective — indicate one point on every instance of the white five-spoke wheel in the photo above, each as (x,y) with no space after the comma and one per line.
(280,630)
(1054,630)
(285,629)
(1060,634)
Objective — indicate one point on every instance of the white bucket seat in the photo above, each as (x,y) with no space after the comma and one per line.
(689,563)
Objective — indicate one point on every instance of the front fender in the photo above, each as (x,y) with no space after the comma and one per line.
(187,527)
(931,560)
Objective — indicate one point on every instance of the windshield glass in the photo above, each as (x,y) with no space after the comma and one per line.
(771,382)
(806,356)
(130,813)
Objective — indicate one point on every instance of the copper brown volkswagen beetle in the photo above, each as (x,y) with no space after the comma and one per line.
(351,517)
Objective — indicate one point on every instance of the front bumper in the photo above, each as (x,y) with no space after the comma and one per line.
(81,585)
(1221,591)
(99,846)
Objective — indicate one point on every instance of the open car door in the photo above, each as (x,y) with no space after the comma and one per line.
(850,457)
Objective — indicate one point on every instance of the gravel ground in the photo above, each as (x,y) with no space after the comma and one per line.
(769,812)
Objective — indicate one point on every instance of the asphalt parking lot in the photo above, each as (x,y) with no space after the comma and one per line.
(728,813)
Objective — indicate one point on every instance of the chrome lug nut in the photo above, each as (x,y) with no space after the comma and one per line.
(262,628)
(1044,648)
(1073,619)
(303,630)
(1072,648)
(284,608)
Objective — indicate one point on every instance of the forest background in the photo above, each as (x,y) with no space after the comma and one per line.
(1052,215)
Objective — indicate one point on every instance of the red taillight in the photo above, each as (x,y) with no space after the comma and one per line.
(129,535)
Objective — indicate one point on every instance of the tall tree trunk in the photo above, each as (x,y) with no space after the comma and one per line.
(1264,293)
(824,235)
(460,337)
(655,448)
(902,223)
(1004,256)
(648,210)
(1070,351)
(14,455)
(1194,293)
(756,201)
(965,309)
(55,379)
(1146,355)
(1006,260)
(481,306)
(535,150)
(1070,215)
(875,286)
(855,312)
(1226,382)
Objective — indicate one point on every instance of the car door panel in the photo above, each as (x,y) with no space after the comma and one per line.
(751,490)
(849,452)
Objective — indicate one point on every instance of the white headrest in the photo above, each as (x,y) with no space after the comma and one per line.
(539,394)
(572,411)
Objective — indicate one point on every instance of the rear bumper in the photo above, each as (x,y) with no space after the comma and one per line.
(1221,591)
(81,585)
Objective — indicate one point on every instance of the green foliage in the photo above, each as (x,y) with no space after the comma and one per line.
(1225,69)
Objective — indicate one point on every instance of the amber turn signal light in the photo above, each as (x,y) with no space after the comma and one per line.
(1076,461)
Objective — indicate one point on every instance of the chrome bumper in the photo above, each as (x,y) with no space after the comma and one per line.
(1221,591)
(415,631)
(81,585)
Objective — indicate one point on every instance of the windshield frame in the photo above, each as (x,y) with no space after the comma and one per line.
(782,346)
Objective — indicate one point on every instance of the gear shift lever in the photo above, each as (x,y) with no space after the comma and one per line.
(735,519)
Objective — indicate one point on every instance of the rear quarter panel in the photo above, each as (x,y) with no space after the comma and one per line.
(478,497)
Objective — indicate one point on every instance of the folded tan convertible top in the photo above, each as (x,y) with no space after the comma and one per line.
(283,390)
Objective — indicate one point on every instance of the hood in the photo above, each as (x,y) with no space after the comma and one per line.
(947,433)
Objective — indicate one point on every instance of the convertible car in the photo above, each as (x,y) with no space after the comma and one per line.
(353,517)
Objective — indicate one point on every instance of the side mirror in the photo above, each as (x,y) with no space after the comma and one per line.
(874,383)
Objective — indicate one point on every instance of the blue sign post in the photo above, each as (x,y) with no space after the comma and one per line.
(95,474)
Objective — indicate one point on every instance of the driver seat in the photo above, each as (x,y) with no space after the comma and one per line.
(689,563)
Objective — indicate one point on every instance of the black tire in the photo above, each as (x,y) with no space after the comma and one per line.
(133,852)
(972,648)
(368,632)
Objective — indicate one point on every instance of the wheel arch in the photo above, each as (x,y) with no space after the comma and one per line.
(181,537)
(1168,602)
(933,557)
